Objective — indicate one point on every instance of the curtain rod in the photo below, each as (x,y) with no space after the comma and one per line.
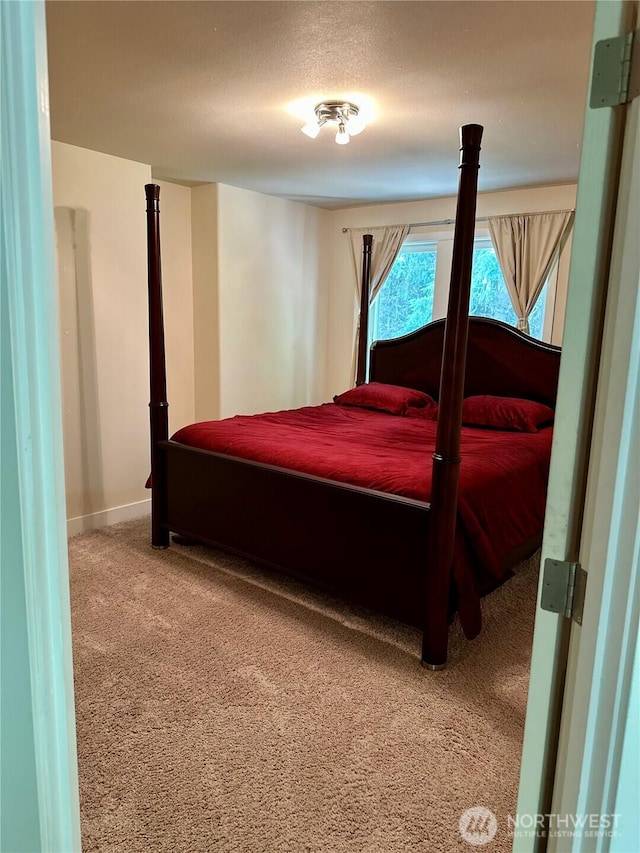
(478,219)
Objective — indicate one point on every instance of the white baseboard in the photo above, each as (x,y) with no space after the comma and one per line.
(96,520)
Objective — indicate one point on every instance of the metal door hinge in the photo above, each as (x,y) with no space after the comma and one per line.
(563,589)
(616,71)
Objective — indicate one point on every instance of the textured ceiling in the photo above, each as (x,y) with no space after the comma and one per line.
(217,91)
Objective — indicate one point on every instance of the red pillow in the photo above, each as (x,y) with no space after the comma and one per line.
(508,413)
(384,398)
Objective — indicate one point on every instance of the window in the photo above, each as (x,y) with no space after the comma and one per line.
(415,291)
(489,294)
(405,301)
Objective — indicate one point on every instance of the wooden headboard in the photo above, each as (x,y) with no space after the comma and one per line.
(500,361)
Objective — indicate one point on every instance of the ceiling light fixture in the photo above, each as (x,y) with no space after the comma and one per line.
(342,113)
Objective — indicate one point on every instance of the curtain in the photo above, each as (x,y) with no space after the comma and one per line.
(526,247)
(387,242)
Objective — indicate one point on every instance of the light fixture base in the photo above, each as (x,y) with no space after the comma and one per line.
(338,111)
(343,113)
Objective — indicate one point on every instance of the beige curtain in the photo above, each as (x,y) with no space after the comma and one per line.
(526,247)
(387,242)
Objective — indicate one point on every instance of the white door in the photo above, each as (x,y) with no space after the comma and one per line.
(568,783)
(39,786)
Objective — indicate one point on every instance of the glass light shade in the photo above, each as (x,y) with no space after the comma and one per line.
(355,125)
(312,129)
(342,137)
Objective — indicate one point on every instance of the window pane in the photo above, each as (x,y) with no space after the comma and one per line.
(405,301)
(489,294)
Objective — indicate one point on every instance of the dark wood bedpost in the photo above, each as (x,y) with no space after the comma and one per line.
(446,459)
(158,404)
(365,290)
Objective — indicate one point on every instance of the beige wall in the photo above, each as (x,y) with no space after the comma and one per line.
(270,306)
(102,274)
(245,316)
(177,287)
(206,320)
(342,303)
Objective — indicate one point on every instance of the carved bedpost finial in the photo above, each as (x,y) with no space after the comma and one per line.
(152,192)
(470,143)
(471,134)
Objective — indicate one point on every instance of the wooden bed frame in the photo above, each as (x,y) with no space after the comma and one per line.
(390,553)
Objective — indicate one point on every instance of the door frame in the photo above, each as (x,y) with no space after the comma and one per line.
(602,650)
(588,297)
(41,804)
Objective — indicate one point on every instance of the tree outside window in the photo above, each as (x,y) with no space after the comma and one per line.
(405,301)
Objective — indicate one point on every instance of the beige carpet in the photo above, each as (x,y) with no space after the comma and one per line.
(219,709)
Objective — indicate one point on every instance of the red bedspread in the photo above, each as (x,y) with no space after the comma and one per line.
(503,475)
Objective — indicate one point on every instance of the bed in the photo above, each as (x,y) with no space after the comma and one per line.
(363,500)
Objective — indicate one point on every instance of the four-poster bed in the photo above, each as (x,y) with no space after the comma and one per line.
(362,529)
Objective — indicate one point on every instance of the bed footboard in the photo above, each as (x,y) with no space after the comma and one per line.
(363,545)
